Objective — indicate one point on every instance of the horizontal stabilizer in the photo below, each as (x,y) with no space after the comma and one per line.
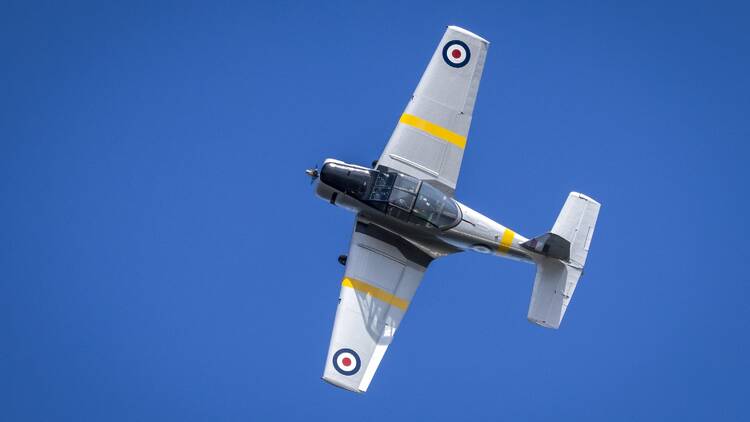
(565,249)
(576,225)
(553,287)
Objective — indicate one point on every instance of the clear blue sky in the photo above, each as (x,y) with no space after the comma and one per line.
(162,256)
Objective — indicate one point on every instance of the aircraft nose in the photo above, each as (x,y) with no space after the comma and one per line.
(312,173)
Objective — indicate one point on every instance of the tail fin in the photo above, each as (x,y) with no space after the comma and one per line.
(565,248)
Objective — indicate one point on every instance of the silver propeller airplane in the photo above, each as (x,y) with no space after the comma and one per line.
(406,216)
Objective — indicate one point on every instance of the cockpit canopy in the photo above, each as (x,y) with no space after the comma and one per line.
(396,194)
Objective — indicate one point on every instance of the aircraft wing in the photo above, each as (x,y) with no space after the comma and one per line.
(382,274)
(430,137)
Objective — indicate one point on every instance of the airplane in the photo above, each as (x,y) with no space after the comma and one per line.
(407,216)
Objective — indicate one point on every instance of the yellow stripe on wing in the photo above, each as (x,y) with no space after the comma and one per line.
(434,130)
(375,292)
(506,241)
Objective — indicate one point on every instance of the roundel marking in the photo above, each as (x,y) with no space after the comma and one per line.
(346,361)
(456,53)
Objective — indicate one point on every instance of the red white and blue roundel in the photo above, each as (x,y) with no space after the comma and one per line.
(456,53)
(346,361)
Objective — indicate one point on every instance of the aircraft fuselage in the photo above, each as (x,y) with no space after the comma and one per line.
(419,211)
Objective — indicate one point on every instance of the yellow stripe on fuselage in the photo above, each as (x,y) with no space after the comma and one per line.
(375,292)
(506,241)
(434,130)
